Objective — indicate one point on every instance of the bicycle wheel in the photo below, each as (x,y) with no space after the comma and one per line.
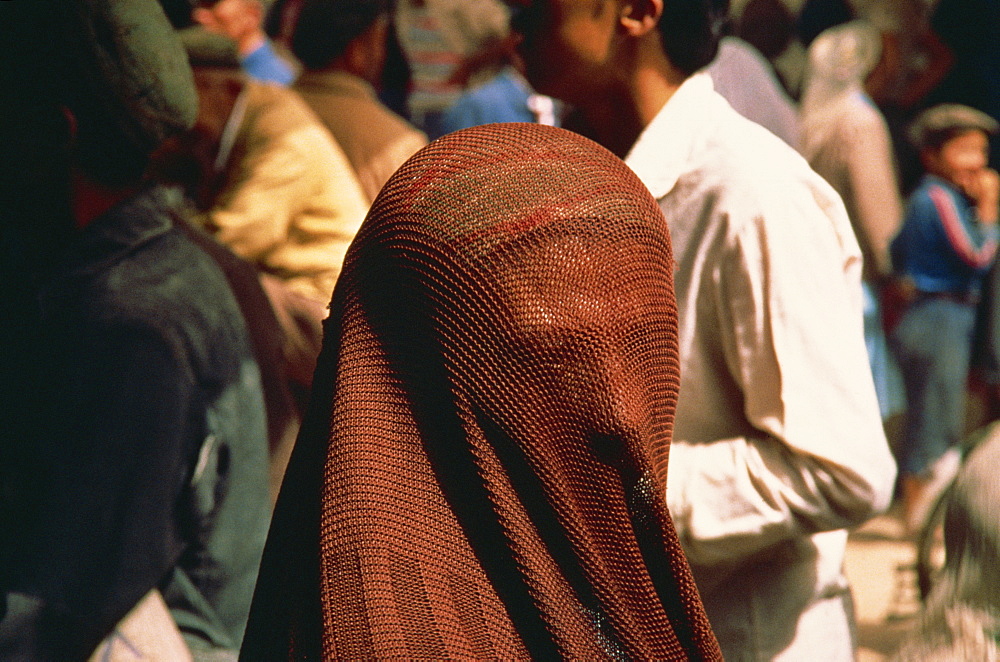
(930,544)
(930,538)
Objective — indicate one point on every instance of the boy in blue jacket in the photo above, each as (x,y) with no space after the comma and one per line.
(943,251)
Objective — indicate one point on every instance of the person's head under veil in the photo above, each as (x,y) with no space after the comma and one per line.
(482,472)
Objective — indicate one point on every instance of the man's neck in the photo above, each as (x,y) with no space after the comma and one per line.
(343,66)
(617,118)
(611,121)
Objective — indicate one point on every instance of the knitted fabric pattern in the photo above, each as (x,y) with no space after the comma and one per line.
(481,474)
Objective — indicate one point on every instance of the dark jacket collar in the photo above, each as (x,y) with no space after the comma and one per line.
(122,229)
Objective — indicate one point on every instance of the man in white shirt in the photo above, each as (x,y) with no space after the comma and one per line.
(778,444)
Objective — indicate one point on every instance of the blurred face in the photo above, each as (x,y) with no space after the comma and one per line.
(236,19)
(567,45)
(961,159)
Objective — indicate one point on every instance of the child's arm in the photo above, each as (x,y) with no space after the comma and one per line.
(985,190)
(976,246)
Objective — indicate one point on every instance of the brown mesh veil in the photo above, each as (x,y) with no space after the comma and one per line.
(482,471)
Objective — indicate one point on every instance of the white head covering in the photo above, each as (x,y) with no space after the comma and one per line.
(839,60)
(845,137)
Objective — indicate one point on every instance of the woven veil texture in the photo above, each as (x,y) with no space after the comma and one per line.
(482,471)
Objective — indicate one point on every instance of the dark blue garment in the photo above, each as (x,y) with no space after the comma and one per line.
(143,459)
(941,246)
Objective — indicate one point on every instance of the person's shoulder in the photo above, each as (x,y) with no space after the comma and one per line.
(264,95)
(346,104)
(172,273)
(756,178)
(931,195)
(273,108)
(930,187)
(861,109)
(388,122)
(278,120)
(737,58)
(167,293)
(477,106)
(743,154)
(857,124)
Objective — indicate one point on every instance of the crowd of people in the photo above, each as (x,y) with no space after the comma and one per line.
(453,329)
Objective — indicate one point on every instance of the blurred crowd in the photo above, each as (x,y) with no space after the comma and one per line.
(263,247)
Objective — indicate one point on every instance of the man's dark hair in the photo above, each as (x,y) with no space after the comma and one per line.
(690,30)
(767,25)
(48,72)
(116,67)
(325,28)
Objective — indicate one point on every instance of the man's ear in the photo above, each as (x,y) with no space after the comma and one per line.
(639,17)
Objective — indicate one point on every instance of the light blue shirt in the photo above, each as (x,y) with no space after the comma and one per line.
(266,65)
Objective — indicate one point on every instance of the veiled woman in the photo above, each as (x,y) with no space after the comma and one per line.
(482,471)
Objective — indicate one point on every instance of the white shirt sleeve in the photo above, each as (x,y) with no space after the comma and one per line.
(811,456)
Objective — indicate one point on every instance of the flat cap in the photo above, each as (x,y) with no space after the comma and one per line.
(135,65)
(205,48)
(936,125)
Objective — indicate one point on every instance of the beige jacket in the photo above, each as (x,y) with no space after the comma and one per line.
(376,140)
(290,202)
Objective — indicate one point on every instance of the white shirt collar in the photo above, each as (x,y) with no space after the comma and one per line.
(664,147)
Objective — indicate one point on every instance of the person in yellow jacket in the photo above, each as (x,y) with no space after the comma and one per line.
(272,184)
(279,190)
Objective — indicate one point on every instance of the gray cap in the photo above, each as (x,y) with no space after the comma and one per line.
(936,125)
(138,66)
(208,49)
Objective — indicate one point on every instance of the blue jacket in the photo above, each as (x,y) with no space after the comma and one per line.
(941,245)
(504,98)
